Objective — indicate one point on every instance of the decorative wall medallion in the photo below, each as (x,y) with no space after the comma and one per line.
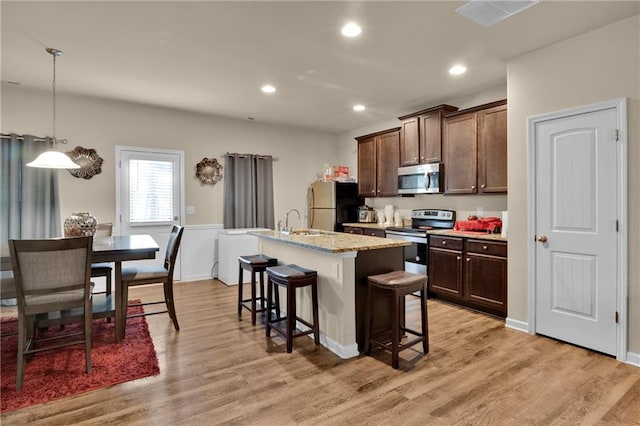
(88,160)
(209,171)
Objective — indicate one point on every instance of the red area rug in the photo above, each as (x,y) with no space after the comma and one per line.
(61,372)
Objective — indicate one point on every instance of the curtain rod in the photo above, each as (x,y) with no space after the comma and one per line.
(35,138)
(226,154)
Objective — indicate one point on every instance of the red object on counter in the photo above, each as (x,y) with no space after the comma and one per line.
(486,224)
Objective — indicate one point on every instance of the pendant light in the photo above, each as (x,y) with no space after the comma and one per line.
(54,159)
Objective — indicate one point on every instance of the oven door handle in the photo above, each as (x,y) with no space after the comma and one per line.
(405,236)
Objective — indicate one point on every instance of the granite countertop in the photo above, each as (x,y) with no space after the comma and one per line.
(468,234)
(332,242)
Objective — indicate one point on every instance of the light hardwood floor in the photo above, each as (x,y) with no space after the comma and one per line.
(219,370)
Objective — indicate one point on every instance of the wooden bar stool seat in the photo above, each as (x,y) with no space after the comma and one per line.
(256,264)
(396,284)
(292,277)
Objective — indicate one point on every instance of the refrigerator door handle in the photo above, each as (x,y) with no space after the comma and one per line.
(310,207)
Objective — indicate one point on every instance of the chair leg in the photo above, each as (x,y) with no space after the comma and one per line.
(367,321)
(395,330)
(22,339)
(270,289)
(262,298)
(88,337)
(316,319)
(425,321)
(168,298)
(240,279)
(291,316)
(107,278)
(253,298)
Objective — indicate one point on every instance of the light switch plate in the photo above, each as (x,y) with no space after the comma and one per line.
(191,210)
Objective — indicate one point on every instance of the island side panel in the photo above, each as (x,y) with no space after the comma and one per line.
(336,292)
(373,262)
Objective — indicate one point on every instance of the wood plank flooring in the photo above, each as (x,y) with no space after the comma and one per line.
(219,370)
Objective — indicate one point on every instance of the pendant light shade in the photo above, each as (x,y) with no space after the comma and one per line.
(54,159)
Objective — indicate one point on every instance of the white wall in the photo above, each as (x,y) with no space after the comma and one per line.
(596,66)
(101,124)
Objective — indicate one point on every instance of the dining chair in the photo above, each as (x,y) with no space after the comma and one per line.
(103,269)
(51,275)
(141,275)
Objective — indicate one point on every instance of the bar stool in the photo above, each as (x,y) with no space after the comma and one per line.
(292,277)
(255,264)
(396,284)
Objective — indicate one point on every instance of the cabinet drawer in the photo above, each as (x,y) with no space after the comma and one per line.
(487,247)
(374,232)
(450,243)
(352,230)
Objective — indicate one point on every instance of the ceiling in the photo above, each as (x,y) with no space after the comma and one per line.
(213,57)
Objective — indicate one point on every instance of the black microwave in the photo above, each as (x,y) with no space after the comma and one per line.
(421,179)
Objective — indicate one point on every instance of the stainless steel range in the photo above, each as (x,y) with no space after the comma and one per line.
(416,255)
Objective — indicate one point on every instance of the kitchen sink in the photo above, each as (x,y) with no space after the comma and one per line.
(306,232)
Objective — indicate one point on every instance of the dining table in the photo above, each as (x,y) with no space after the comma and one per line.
(118,249)
(114,249)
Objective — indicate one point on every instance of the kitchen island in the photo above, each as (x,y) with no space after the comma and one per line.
(343,262)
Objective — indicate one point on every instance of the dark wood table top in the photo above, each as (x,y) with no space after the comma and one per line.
(124,247)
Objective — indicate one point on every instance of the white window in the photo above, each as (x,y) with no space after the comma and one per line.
(150,191)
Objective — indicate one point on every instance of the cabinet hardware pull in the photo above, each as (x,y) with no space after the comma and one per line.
(473,187)
(468,260)
(484,247)
(444,243)
(415,158)
(482,186)
(458,257)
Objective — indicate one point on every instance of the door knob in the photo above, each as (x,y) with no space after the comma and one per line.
(542,238)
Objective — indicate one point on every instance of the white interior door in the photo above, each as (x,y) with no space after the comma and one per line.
(149,200)
(576,221)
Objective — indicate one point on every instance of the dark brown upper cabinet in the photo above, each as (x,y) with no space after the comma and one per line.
(378,162)
(475,149)
(421,136)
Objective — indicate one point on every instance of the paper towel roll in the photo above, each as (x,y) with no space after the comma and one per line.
(505,224)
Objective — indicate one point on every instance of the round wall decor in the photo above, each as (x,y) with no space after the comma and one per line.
(88,160)
(209,171)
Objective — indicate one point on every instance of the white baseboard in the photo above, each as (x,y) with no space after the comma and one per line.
(343,351)
(517,325)
(200,277)
(633,359)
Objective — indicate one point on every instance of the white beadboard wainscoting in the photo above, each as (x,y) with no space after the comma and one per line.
(199,252)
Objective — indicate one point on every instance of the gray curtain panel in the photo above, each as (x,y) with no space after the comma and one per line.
(30,196)
(248,191)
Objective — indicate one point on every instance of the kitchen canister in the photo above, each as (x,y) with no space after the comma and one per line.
(505,224)
(80,224)
(388,215)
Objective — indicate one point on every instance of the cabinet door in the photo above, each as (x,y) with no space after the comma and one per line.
(445,272)
(409,142)
(486,282)
(367,167)
(460,154)
(387,163)
(492,149)
(431,138)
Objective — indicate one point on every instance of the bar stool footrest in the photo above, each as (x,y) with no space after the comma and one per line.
(297,331)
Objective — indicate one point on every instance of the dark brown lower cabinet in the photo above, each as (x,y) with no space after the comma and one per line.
(469,272)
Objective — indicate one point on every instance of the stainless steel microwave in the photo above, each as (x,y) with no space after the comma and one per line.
(421,179)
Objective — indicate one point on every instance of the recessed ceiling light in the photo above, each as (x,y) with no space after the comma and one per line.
(267,88)
(351,30)
(457,70)
(359,108)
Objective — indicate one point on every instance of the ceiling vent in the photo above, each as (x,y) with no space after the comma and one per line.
(487,12)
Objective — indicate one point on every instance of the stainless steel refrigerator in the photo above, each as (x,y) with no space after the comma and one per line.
(331,204)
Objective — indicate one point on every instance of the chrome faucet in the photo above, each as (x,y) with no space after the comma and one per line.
(286,218)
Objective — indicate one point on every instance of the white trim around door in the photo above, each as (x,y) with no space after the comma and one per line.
(620,106)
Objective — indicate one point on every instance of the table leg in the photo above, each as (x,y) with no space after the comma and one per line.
(120,303)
